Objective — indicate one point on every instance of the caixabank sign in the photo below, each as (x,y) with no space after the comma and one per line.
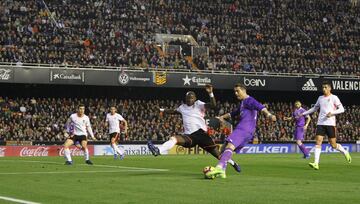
(67,76)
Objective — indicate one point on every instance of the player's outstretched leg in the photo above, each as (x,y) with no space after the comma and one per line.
(154,150)
(166,146)
(341,149)
(303,149)
(219,170)
(213,150)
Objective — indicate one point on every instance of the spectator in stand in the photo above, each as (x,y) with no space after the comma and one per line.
(259,36)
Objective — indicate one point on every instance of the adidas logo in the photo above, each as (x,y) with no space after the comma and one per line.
(309,86)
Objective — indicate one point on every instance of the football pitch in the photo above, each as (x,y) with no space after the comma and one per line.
(280,178)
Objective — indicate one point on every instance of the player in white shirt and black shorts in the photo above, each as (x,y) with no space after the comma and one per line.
(195,128)
(112,121)
(329,106)
(80,126)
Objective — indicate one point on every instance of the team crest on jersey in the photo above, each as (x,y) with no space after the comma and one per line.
(159,78)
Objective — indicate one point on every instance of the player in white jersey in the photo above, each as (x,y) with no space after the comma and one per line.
(80,128)
(112,121)
(329,106)
(195,128)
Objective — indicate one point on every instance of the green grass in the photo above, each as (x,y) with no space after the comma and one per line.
(264,179)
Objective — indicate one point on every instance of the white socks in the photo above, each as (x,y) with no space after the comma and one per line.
(167,146)
(86,154)
(340,148)
(67,155)
(230,161)
(317,153)
(117,149)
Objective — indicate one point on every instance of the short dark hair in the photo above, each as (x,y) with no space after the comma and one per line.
(81,105)
(326,83)
(113,105)
(190,93)
(240,85)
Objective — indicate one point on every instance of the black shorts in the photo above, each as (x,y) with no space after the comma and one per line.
(326,130)
(200,138)
(78,138)
(116,135)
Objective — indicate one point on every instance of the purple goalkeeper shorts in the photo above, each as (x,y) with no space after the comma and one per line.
(299,133)
(239,138)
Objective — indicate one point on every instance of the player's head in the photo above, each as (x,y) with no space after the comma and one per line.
(190,98)
(326,88)
(297,104)
(240,91)
(81,109)
(113,109)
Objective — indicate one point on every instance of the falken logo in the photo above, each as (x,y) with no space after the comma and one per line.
(309,86)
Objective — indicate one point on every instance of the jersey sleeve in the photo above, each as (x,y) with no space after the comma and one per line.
(107,118)
(339,108)
(120,117)
(337,101)
(179,109)
(200,104)
(253,104)
(88,127)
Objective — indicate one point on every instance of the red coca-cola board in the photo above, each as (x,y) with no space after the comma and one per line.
(40,151)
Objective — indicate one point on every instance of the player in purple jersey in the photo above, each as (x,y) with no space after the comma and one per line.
(300,127)
(243,133)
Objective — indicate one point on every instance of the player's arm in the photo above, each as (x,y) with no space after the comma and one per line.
(169,111)
(106,123)
(339,108)
(125,126)
(308,119)
(67,132)
(288,118)
(230,115)
(212,103)
(311,110)
(89,129)
(268,115)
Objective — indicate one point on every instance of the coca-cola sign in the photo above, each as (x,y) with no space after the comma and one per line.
(74,151)
(41,151)
(2,151)
(6,74)
(34,151)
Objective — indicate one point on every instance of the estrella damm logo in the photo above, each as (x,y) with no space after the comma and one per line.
(159,78)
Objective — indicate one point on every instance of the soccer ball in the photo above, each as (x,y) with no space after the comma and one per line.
(206,170)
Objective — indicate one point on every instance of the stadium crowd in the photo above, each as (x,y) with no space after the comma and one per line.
(244,36)
(43,119)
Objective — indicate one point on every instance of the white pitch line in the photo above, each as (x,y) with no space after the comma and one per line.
(71,172)
(96,165)
(17,200)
